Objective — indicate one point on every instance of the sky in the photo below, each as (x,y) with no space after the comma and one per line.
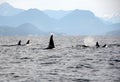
(101,8)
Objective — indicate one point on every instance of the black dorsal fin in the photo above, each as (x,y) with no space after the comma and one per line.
(28,42)
(51,43)
(97,45)
(19,43)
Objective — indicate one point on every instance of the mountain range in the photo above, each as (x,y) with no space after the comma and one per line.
(56,14)
(7,10)
(34,21)
(24,29)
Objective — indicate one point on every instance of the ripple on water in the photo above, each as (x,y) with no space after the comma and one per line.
(81,80)
(83,66)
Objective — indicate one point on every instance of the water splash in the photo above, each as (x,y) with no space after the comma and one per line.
(89,41)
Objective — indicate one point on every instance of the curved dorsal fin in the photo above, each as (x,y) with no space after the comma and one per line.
(28,42)
(19,43)
(51,43)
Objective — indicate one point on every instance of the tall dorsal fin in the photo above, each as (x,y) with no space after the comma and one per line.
(51,43)
(19,43)
(97,45)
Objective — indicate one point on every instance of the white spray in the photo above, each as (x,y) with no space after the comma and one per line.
(89,41)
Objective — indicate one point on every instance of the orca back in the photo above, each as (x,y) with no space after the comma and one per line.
(104,46)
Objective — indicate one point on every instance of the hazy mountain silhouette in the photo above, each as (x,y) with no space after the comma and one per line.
(115,32)
(115,26)
(33,16)
(80,22)
(56,14)
(115,29)
(7,10)
(24,29)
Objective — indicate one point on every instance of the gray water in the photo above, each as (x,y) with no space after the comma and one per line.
(65,63)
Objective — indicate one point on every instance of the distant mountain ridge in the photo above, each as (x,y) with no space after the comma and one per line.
(114,33)
(80,22)
(7,10)
(24,29)
(33,16)
(56,14)
(116,29)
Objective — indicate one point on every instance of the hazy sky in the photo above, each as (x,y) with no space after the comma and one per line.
(99,7)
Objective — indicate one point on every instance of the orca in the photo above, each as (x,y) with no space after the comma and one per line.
(104,46)
(51,43)
(84,46)
(81,46)
(97,45)
(107,45)
(28,42)
(19,43)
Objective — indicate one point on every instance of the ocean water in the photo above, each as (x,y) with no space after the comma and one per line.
(67,62)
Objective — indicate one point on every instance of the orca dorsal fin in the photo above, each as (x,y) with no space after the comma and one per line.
(97,45)
(28,42)
(51,43)
(19,43)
